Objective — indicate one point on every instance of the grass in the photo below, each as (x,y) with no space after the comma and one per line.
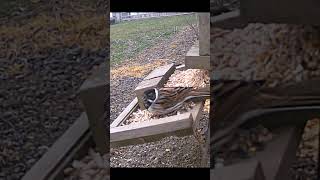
(131,37)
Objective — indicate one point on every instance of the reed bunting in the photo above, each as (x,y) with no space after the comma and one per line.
(170,99)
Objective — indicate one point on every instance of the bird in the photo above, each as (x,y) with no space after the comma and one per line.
(162,101)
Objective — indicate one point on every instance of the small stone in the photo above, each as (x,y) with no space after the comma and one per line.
(78,164)
(31,161)
(68,171)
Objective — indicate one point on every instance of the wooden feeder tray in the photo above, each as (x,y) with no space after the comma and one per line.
(153,130)
(156,129)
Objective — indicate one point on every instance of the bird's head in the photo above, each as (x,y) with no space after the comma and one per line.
(149,96)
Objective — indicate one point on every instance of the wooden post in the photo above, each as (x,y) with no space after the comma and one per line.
(94,94)
(204,34)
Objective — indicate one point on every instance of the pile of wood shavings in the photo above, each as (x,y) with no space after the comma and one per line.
(91,167)
(196,78)
(145,115)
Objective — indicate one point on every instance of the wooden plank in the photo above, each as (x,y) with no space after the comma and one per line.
(126,113)
(152,138)
(228,20)
(149,128)
(94,102)
(204,34)
(194,61)
(59,150)
(78,152)
(98,78)
(94,94)
(161,71)
(148,83)
(250,170)
(283,152)
(282,149)
(196,111)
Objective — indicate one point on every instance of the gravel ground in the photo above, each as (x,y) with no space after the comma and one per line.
(170,151)
(38,103)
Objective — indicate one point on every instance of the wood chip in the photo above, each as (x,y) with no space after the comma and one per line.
(196,78)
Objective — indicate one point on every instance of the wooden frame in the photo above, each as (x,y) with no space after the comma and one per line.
(204,34)
(282,149)
(194,60)
(93,94)
(143,132)
(251,170)
(74,142)
(229,20)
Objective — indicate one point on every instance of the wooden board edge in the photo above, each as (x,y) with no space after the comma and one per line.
(197,62)
(94,100)
(59,150)
(204,33)
(197,110)
(153,138)
(167,68)
(97,78)
(126,113)
(228,20)
(78,152)
(250,170)
(154,127)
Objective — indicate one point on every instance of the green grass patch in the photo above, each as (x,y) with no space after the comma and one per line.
(131,37)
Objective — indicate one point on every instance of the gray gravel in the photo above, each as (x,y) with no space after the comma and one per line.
(39,102)
(170,151)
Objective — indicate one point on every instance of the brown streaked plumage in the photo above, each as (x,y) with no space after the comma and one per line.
(169,99)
